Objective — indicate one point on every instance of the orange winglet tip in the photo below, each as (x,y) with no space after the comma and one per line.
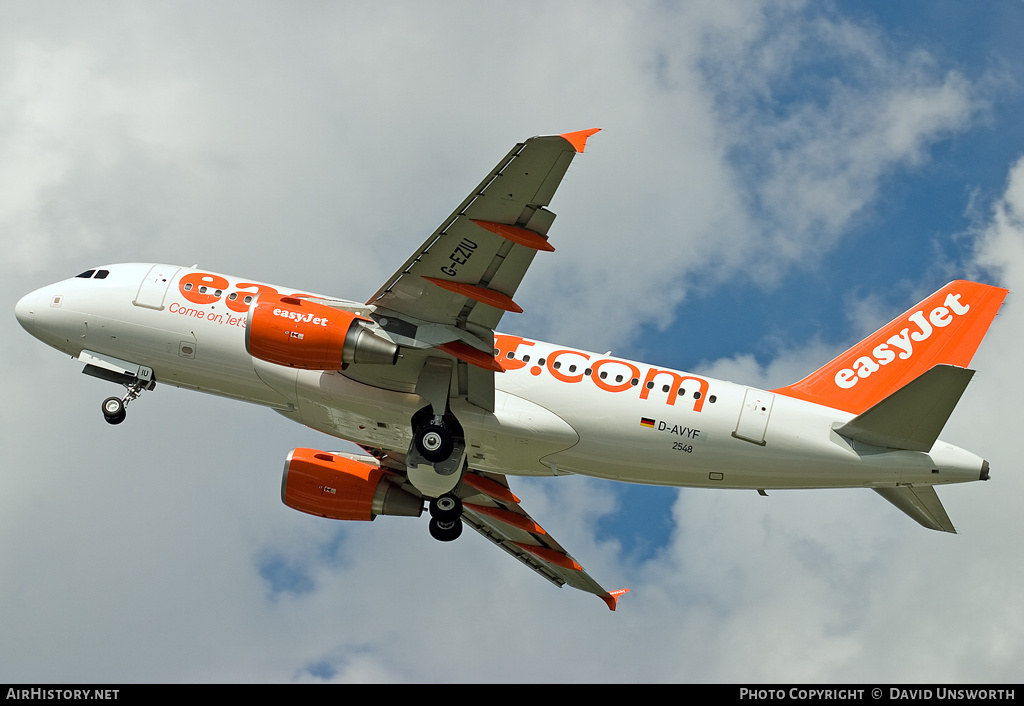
(490,487)
(611,598)
(578,139)
(471,355)
(479,294)
(522,236)
(509,518)
(550,556)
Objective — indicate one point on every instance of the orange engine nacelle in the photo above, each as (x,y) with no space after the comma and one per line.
(341,488)
(303,334)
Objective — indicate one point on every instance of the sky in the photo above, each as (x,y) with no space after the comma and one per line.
(772,182)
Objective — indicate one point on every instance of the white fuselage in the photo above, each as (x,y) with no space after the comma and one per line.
(557,410)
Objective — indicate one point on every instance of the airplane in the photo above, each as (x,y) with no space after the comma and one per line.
(445,409)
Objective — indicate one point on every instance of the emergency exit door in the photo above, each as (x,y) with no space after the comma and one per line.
(753,421)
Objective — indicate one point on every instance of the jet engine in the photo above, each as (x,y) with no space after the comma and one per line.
(299,333)
(341,488)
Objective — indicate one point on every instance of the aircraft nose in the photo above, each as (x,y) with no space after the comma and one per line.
(25,311)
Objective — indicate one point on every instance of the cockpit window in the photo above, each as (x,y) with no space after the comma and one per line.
(94,274)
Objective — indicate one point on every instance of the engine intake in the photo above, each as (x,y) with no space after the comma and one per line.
(339,488)
(303,334)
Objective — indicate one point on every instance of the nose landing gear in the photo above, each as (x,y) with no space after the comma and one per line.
(114,407)
(136,378)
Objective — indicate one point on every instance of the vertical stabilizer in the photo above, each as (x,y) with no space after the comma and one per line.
(946,328)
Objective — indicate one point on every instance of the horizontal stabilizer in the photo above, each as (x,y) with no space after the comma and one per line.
(912,417)
(920,503)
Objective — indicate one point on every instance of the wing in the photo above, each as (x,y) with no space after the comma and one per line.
(451,294)
(494,511)
(490,507)
(470,267)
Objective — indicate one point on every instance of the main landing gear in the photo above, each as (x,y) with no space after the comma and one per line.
(437,453)
(444,455)
(446,518)
(433,442)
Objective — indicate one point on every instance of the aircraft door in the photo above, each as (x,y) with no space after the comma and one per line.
(154,287)
(757,407)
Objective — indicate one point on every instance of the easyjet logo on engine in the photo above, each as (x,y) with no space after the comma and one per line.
(608,374)
(301,318)
(901,345)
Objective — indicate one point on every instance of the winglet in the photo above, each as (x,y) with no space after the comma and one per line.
(611,598)
(579,139)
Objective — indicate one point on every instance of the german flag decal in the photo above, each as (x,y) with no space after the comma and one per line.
(646,422)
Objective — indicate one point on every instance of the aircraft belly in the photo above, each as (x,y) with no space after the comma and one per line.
(337,405)
(518,438)
(514,439)
(177,357)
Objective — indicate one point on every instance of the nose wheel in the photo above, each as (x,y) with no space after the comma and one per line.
(113,410)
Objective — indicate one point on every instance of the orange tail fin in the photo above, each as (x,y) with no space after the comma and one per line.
(946,328)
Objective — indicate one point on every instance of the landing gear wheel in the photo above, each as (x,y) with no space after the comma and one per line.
(434,443)
(446,508)
(445,531)
(113,410)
